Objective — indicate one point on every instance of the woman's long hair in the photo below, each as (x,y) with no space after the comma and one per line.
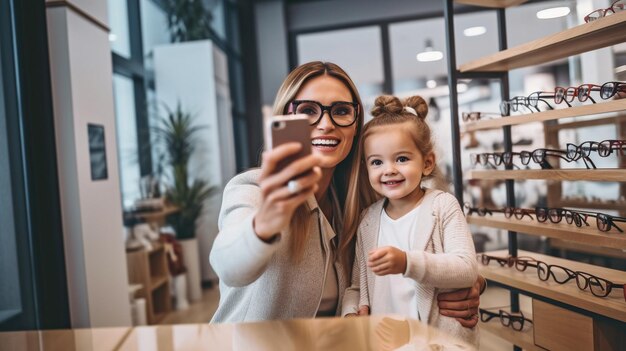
(352,200)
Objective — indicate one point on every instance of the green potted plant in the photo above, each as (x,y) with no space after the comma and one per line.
(176,136)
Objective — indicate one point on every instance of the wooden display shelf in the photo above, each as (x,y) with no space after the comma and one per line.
(597,175)
(612,306)
(575,111)
(587,235)
(157,217)
(604,32)
(157,282)
(523,339)
(496,4)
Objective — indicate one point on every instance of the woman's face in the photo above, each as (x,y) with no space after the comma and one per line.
(332,143)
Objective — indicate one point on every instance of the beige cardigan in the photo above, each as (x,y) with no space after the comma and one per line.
(442,258)
(258,280)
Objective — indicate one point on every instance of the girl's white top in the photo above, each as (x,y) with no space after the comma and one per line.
(397,290)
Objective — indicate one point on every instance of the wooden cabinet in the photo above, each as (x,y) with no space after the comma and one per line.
(558,328)
(149,268)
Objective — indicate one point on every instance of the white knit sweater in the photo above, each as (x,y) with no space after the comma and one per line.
(443,258)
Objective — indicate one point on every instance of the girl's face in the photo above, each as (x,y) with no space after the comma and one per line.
(332,143)
(395,166)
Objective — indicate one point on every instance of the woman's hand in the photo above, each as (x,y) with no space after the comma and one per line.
(462,304)
(387,260)
(279,203)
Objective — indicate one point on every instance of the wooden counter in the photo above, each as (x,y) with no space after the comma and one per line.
(361,333)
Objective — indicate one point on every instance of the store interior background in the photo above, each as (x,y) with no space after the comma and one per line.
(228,82)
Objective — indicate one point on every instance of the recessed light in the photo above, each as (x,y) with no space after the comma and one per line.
(461,87)
(554,12)
(112,37)
(474,31)
(431,83)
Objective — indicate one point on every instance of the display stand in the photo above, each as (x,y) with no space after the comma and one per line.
(604,318)
(149,268)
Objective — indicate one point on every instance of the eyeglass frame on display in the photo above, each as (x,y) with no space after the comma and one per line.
(571,274)
(475,116)
(604,12)
(538,156)
(503,314)
(324,108)
(606,218)
(574,152)
(542,98)
(480,211)
(521,263)
(568,94)
(556,215)
(620,87)
(515,102)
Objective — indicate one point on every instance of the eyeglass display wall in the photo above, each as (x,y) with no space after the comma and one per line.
(573,302)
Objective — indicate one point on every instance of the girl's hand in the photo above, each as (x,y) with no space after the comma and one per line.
(364,311)
(387,260)
(279,203)
(461,304)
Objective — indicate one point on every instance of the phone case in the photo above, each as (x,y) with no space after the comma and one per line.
(291,128)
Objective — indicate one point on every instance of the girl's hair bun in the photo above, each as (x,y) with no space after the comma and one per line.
(386,104)
(418,104)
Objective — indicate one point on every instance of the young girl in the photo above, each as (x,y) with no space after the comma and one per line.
(414,242)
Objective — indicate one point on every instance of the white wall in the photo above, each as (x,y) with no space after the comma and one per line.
(81,71)
(196,75)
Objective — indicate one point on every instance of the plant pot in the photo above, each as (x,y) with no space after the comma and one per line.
(179,283)
(192,262)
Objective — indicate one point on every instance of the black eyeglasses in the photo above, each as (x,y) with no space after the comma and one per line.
(556,215)
(609,89)
(539,156)
(514,321)
(604,222)
(518,213)
(604,148)
(599,287)
(342,113)
(481,211)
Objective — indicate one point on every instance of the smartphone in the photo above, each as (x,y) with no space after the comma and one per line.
(290,128)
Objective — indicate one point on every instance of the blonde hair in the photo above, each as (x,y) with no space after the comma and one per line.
(389,110)
(351,199)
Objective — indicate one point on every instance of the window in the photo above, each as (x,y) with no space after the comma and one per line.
(139,27)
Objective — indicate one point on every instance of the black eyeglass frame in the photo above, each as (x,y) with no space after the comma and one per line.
(617,87)
(506,319)
(325,108)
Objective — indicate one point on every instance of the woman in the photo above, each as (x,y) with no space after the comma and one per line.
(286,247)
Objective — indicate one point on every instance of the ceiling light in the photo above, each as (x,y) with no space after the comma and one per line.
(474,31)
(461,87)
(429,54)
(431,83)
(112,37)
(554,12)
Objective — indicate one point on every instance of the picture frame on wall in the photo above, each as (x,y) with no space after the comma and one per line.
(97,152)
